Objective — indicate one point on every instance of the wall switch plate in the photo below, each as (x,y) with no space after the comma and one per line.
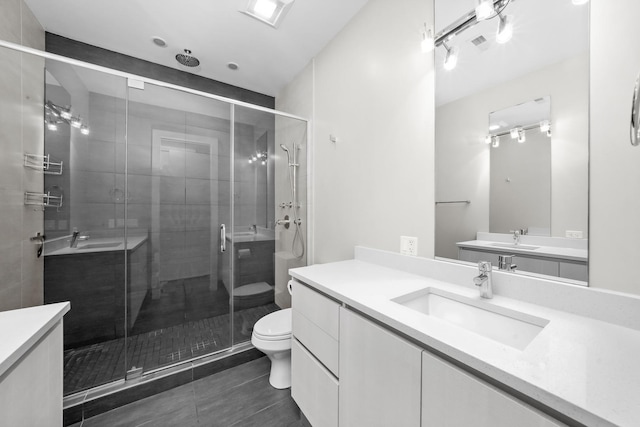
(573,234)
(409,245)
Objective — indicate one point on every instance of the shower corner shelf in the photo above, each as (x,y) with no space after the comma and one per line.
(43,163)
(45,200)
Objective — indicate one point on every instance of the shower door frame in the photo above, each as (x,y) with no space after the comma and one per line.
(229,101)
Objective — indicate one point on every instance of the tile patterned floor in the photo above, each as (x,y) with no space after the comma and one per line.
(100,363)
(240,396)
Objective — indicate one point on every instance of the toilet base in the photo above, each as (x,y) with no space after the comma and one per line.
(280,376)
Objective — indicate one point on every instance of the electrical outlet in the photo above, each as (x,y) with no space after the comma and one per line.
(571,234)
(409,245)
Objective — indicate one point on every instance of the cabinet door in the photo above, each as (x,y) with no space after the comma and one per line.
(454,398)
(379,375)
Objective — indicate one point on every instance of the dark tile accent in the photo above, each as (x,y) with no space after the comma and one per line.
(176,405)
(133,394)
(207,369)
(72,415)
(106,58)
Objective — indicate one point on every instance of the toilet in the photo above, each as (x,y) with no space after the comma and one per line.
(272,336)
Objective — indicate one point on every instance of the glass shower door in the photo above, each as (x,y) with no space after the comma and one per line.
(178,168)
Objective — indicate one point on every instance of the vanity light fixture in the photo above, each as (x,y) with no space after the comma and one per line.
(55,115)
(495,141)
(484,10)
(259,156)
(521,136)
(505,29)
(428,42)
(545,127)
(451,59)
(514,133)
(270,12)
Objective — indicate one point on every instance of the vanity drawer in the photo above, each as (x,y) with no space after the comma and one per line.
(313,388)
(315,321)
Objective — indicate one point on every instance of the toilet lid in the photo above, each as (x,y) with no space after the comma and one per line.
(274,326)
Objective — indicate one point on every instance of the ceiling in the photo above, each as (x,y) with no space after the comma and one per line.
(214,30)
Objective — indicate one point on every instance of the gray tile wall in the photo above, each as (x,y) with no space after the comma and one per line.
(21,130)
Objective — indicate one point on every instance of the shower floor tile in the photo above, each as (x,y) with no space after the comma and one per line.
(100,363)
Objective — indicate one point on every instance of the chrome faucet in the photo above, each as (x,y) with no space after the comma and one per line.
(505,262)
(484,279)
(516,237)
(73,243)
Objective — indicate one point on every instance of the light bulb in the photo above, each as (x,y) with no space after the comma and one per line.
(451,60)
(521,136)
(488,139)
(250,161)
(505,30)
(76,123)
(428,42)
(514,133)
(484,10)
(84,130)
(496,141)
(264,162)
(65,114)
(52,126)
(545,126)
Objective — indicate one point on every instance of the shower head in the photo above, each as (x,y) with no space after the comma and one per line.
(284,147)
(187,59)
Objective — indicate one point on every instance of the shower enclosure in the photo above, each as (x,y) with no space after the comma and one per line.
(167,240)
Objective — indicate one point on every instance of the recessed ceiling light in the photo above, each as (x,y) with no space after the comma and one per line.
(232,66)
(268,11)
(159,41)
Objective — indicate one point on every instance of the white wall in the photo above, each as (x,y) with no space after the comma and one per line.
(374,90)
(21,131)
(614,219)
(463,158)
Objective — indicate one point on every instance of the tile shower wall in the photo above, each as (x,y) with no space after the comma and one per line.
(21,130)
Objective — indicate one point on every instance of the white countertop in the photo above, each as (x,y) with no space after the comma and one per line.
(586,369)
(21,329)
(561,253)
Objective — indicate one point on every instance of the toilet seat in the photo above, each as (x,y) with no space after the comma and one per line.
(274,327)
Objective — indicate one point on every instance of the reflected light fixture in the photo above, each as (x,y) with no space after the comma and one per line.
(521,136)
(268,11)
(55,115)
(451,60)
(545,127)
(488,139)
(495,141)
(484,10)
(505,29)
(514,133)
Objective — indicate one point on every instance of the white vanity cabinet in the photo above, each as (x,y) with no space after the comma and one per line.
(314,355)
(452,397)
(379,375)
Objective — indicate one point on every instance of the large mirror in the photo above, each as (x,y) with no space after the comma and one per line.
(512,135)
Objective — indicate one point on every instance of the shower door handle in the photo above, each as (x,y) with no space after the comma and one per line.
(223,238)
(635,114)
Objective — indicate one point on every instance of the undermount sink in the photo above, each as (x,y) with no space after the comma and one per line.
(504,325)
(100,245)
(514,246)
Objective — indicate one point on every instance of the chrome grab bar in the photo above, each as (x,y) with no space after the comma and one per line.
(223,238)
(635,114)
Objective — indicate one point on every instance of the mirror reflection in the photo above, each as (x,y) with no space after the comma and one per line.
(496,196)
